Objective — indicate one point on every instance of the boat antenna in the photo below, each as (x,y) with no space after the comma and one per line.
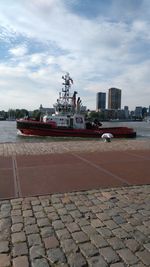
(67,83)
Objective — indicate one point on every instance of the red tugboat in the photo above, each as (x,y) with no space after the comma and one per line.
(68,121)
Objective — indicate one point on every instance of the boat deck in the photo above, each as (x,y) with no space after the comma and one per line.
(32,175)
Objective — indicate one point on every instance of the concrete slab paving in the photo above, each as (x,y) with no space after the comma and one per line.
(32,175)
(75,208)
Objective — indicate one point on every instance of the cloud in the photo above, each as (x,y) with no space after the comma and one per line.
(108,48)
(19,51)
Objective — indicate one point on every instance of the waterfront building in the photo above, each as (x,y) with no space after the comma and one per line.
(114,98)
(48,111)
(100,101)
(126,112)
(138,112)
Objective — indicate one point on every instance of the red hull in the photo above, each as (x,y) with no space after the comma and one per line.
(36,128)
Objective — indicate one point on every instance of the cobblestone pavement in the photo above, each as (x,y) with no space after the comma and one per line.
(105,227)
(8,149)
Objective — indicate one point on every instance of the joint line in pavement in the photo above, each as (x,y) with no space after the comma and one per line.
(101,169)
(17,186)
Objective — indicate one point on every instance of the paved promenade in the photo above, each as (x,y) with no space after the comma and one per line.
(98,227)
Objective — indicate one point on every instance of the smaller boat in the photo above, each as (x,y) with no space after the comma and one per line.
(69,120)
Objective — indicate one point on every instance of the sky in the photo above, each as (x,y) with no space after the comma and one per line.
(101,43)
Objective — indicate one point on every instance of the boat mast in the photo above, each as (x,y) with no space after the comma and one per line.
(67,85)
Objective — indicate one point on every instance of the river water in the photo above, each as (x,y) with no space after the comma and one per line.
(8,132)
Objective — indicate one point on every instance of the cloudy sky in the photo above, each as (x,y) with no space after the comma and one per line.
(101,43)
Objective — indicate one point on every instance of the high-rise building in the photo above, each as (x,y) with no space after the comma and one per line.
(114,98)
(100,101)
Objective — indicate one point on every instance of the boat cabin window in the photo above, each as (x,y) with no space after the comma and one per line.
(79,120)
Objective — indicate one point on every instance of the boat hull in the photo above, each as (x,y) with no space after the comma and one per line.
(37,128)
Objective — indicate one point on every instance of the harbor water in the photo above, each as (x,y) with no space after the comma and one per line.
(8,132)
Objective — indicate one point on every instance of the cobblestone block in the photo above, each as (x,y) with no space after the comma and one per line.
(138,265)
(119,232)
(147,223)
(140,237)
(63,234)
(97,261)
(47,231)
(69,246)
(96,223)
(45,202)
(19,249)
(40,263)
(58,225)
(133,221)
(105,232)
(51,242)
(129,210)
(132,244)
(58,206)
(62,211)
(119,219)
(16,201)
(72,227)
(56,255)
(82,221)
(111,224)
(70,207)
(17,219)
(27,213)
(76,214)
(80,237)
(43,222)
(37,208)
(144,229)
(77,260)
(21,261)
(31,229)
(16,207)
(48,209)
(39,214)
(29,220)
(83,209)
(127,227)
(103,216)
(18,237)
(90,215)
(118,264)
(5,260)
(53,216)
(26,206)
(98,241)
(144,257)
(88,249)
(4,246)
(127,256)
(34,239)
(116,243)
(54,199)
(109,255)
(15,212)
(147,246)
(5,224)
(89,230)
(5,235)
(35,202)
(37,252)
(17,227)
(66,218)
